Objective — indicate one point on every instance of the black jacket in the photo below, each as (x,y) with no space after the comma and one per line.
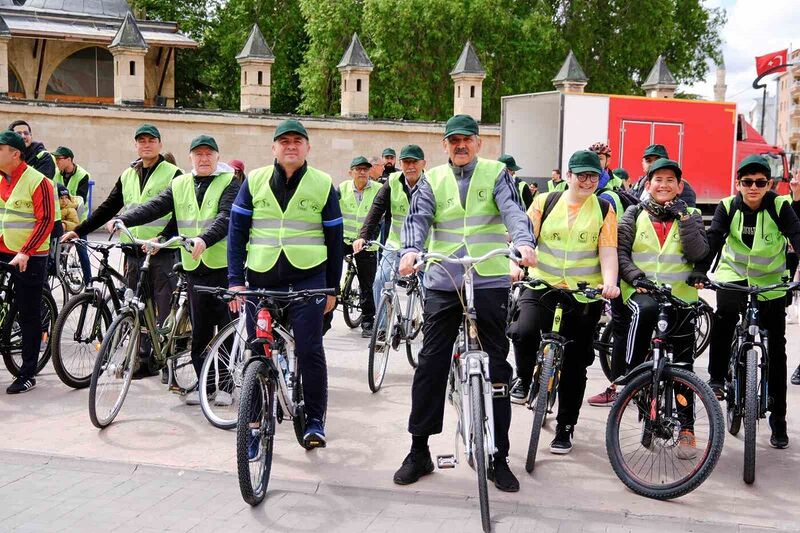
(381,208)
(43,164)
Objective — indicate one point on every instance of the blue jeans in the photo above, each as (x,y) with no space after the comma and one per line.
(388,263)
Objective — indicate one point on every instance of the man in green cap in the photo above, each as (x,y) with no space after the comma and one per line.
(286,232)
(622,175)
(469,206)
(749,233)
(390,206)
(148,176)
(356,197)
(200,202)
(27,213)
(512,167)
(388,158)
(72,176)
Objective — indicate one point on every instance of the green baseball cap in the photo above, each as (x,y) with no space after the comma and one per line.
(204,140)
(621,173)
(360,161)
(63,151)
(412,151)
(12,139)
(389,152)
(753,163)
(290,125)
(509,161)
(147,129)
(460,125)
(657,150)
(665,163)
(584,161)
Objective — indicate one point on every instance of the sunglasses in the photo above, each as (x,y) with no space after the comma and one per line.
(747,183)
(591,176)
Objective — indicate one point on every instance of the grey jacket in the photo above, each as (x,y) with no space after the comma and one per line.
(448,277)
(693,240)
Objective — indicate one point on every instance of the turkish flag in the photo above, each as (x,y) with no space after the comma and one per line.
(766,62)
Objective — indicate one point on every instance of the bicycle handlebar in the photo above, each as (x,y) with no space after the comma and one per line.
(262,294)
(583,288)
(753,289)
(150,245)
(467,261)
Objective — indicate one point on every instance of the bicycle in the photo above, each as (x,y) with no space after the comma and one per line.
(119,352)
(393,326)
(746,394)
(471,388)
(10,331)
(84,320)
(223,370)
(350,297)
(272,389)
(661,404)
(543,390)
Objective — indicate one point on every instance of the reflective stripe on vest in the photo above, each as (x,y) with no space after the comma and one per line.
(567,254)
(479,226)
(353,211)
(297,232)
(133,196)
(17,215)
(765,262)
(193,220)
(663,264)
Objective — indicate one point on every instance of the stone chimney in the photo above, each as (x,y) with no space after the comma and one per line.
(255,61)
(720,88)
(5,37)
(355,68)
(571,78)
(660,83)
(468,76)
(128,49)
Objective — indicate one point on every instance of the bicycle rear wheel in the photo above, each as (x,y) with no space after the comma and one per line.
(750,416)
(77,337)
(223,370)
(604,345)
(71,272)
(255,432)
(380,344)
(11,336)
(113,369)
(703,323)
(539,393)
(414,336)
(479,451)
(665,469)
(351,300)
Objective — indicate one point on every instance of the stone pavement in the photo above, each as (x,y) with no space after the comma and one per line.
(160,464)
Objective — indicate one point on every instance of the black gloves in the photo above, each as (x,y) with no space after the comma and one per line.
(644,283)
(677,208)
(697,277)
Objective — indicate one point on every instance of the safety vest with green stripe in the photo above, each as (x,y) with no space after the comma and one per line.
(134,196)
(399,207)
(560,186)
(353,211)
(762,264)
(297,232)
(194,220)
(662,263)
(72,187)
(53,183)
(568,253)
(479,226)
(17,215)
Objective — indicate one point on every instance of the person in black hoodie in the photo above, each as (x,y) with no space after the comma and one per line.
(35,155)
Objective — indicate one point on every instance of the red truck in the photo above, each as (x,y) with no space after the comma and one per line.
(708,139)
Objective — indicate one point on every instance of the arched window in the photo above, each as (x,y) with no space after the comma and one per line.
(14,86)
(86,75)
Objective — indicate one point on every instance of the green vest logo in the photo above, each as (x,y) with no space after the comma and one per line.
(582,236)
(556,236)
(483,195)
(261,202)
(23,203)
(307,203)
(769,238)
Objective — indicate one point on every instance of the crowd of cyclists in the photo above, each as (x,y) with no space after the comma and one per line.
(286,226)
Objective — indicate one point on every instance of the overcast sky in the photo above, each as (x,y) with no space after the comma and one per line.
(754,27)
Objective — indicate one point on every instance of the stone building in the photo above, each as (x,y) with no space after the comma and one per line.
(788,135)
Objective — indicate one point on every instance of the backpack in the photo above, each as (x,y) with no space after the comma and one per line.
(625,198)
(553,198)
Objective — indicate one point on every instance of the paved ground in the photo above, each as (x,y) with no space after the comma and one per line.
(161,465)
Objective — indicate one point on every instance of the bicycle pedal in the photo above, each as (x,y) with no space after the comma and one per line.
(499,390)
(446,461)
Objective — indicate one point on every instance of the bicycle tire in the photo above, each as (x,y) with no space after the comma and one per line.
(72,274)
(58,288)
(219,356)
(414,337)
(750,417)
(11,343)
(604,347)
(479,447)
(540,401)
(703,396)
(703,336)
(378,359)
(116,333)
(352,315)
(68,372)
(257,406)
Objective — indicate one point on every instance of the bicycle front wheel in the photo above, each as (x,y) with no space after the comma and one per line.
(222,374)
(540,389)
(750,416)
(77,336)
(380,344)
(71,272)
(113,369)
(685,428)
(11,343)
(702,338)
(414,335)
(255,432)
(479,451)
(351,300)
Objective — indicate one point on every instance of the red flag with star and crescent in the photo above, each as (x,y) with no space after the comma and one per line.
(768,61)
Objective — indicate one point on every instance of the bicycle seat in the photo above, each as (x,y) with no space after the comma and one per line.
(178,267)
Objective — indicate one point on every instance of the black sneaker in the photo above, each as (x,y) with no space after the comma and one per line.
(504,479)
(718,388)
(562,444)
(796,376)
(21,385)
(415,465)
(519,392)
(144,371)
(366,330)
(779,439)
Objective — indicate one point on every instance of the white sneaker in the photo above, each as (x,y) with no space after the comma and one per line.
(223,399)
(192,398)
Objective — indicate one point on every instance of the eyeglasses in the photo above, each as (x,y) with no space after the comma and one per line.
(747,183)
(591,176)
